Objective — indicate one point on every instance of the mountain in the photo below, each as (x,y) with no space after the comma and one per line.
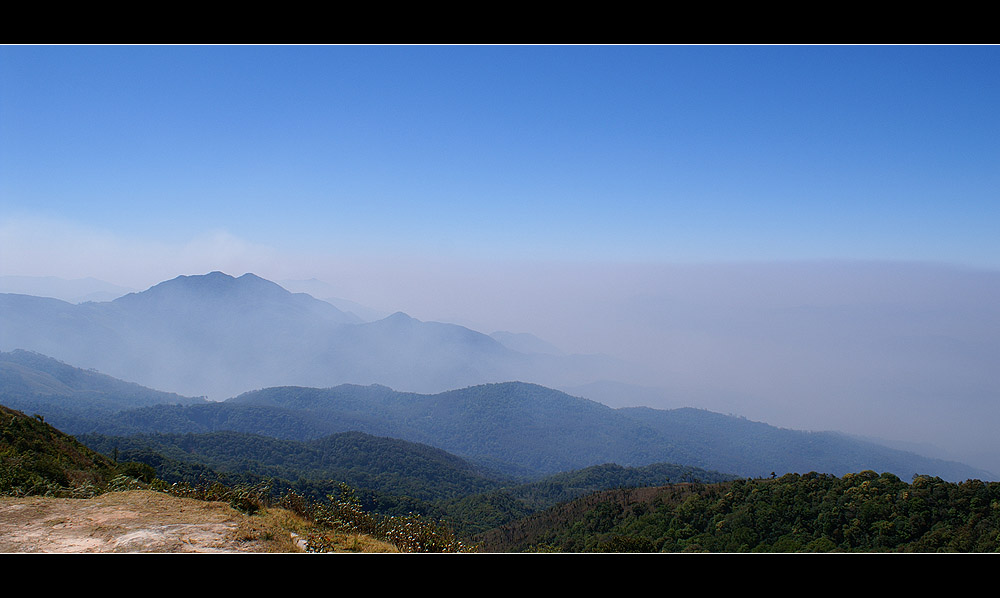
(530,431)
(218,290)
(531,427)
(519,429)
(745,445)
(218,336)
(71,398)
(545,430)
(26,373)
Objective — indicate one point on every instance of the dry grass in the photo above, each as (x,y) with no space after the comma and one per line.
(335,541)
(279,530)
(270,530)
(148,521)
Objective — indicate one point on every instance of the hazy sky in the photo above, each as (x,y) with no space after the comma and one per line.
(569,191)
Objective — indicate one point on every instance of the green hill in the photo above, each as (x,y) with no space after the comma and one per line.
(392,475)
(36,458)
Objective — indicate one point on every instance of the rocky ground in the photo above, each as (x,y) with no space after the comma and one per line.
(139,521)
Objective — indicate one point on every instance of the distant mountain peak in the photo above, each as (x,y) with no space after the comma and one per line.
(214,283)
(215,275)
(252,276)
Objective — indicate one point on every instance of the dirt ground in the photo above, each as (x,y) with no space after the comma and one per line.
(138,521)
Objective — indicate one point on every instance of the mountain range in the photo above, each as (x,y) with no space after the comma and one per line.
(215,335)
(513,429)
(267,350)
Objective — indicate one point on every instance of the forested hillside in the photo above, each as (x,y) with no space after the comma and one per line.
(36,458)
(813,512)
(392,475)
(478,513)
(532,431)
(514,429)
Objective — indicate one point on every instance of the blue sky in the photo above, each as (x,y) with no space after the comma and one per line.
(653,153)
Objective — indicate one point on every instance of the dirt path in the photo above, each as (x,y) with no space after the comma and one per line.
(135,521)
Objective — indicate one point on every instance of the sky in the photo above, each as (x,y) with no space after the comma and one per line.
(626,200)
(585,153)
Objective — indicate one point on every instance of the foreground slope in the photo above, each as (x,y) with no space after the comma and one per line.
(141,521)
(54,497)
(36,458)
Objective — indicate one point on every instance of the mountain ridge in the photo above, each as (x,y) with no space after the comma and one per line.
(229,335)
(518,428)
(529,430)
(218,336)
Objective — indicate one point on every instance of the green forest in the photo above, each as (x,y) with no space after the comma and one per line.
(861,512)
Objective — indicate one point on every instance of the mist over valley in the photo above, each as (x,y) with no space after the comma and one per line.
(219,336)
